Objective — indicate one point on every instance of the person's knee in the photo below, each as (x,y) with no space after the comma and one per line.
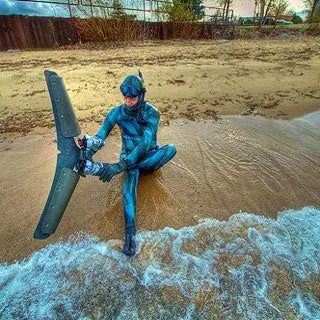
(132,173)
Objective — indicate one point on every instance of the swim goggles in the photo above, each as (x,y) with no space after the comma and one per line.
(129,91)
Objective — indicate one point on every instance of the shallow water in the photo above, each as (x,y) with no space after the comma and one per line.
(248,164)
(256,165)
(249,267)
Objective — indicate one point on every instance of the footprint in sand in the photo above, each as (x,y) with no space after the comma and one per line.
(176,81)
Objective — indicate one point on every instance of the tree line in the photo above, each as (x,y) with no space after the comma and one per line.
(194,10)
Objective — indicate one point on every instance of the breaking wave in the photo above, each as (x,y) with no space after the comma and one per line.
(249,267)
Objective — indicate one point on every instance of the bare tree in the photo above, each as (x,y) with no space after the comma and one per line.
(267,11)
(226,8)
(315,9)
(274,8)
(279,8)
(263,9)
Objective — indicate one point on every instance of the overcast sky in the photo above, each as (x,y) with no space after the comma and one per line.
(32,8)
(246,7)
(241,7)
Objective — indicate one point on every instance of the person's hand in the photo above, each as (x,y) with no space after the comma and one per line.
(79,142)
(90,145)
(111,169)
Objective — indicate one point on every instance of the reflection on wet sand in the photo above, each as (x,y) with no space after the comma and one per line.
(237,164)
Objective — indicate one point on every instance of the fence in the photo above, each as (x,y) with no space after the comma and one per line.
(22,32)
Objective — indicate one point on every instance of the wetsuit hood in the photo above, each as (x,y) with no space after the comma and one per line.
(133,86)
(133,111)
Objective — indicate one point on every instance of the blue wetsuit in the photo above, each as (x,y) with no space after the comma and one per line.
(140,150)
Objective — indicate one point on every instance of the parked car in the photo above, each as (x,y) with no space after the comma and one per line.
(284,22)
(250,21)
(269,21)
(246,21)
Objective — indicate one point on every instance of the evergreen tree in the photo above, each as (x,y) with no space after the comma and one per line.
(296,19)
(119,13)
(183,10)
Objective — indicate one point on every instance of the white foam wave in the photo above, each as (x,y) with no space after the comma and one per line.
(248,267)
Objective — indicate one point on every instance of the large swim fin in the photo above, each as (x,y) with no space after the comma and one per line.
(66,177)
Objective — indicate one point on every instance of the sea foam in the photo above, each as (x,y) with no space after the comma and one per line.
(249,267)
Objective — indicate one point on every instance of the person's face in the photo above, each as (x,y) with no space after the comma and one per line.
(130,102)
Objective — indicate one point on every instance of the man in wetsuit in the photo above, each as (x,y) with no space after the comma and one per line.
(138,122)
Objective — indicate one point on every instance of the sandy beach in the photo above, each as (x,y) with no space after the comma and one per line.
(196,82)
(276,78)
(227,230)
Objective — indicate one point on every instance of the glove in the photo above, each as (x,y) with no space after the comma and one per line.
(91,145)
(111,169)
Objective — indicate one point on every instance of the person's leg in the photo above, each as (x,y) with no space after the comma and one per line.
(157,158)
(129,193)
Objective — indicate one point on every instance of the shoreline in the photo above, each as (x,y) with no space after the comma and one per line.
(92,127)
(237,164)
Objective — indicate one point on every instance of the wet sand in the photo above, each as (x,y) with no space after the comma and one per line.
(248,164)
